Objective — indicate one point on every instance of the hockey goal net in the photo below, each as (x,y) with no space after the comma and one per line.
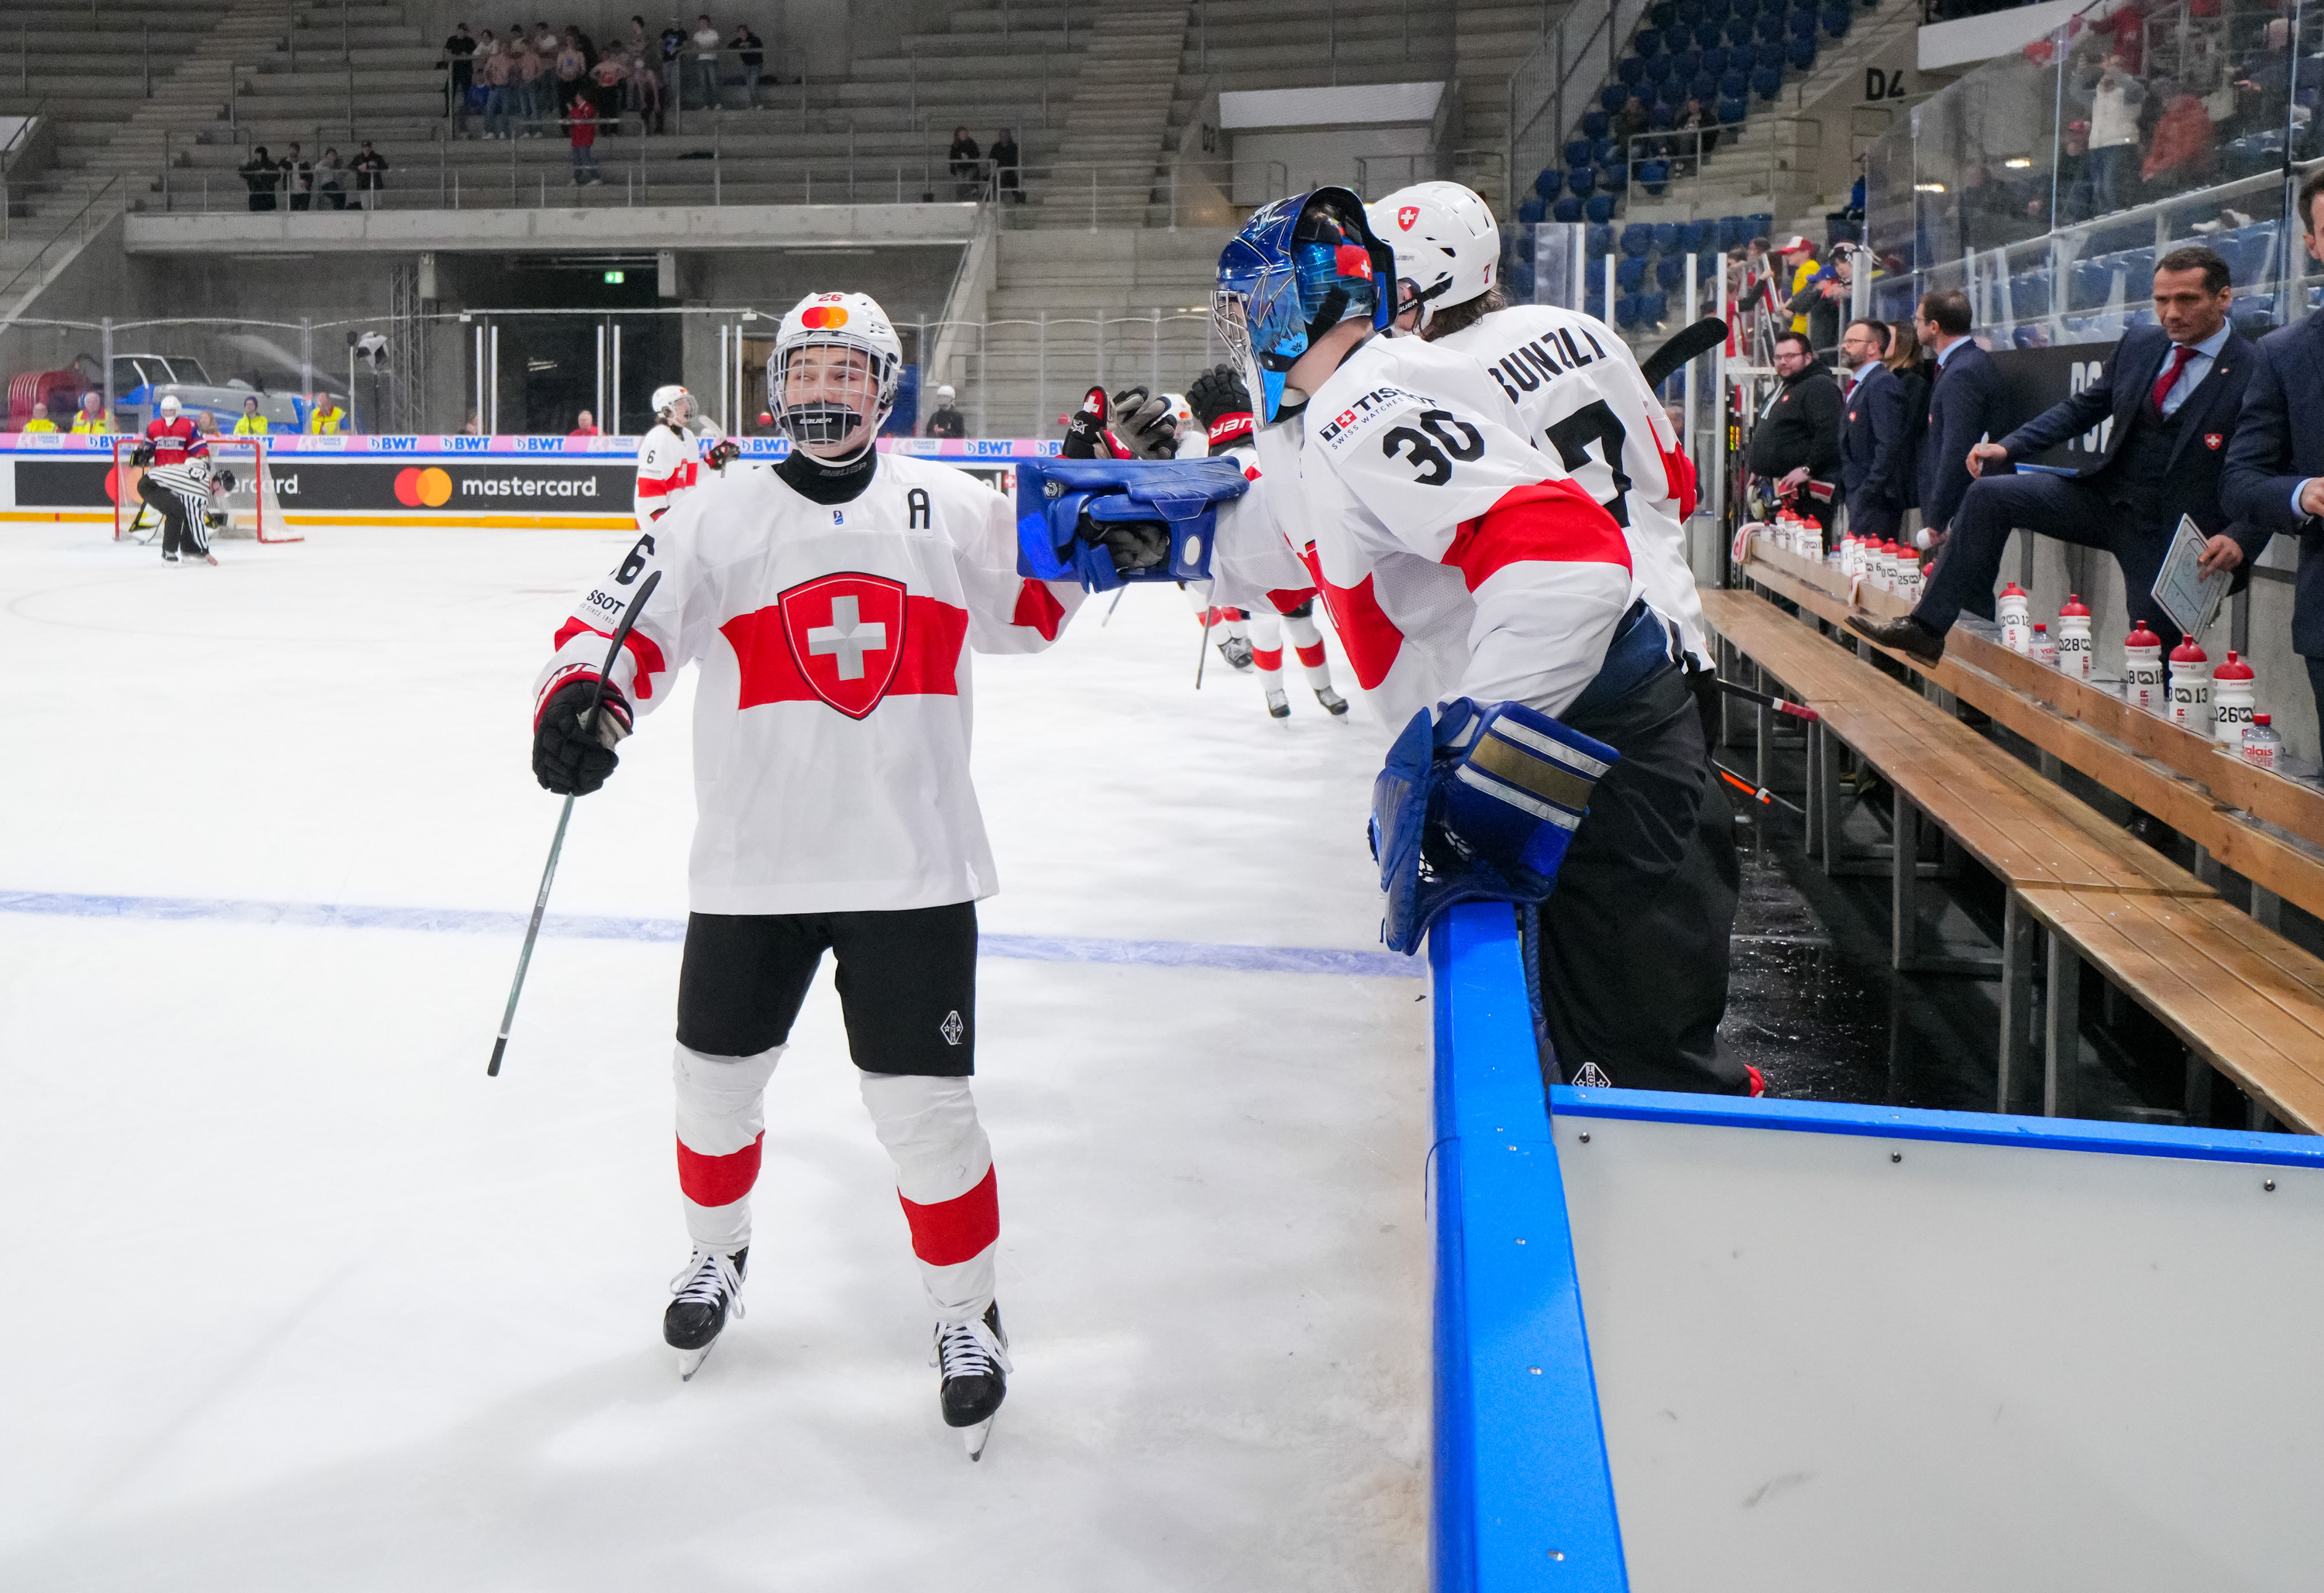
(248,508)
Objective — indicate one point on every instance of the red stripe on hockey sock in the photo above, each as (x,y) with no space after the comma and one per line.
(1269,659)
(1312,657)
(718,1181)
(951,1231)
(1551,522)
(1038,607)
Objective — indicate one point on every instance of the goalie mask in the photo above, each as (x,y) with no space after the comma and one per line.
(837,367)
(1447,246)
(1298,268)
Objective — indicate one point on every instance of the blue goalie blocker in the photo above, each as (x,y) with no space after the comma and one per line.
(1180,494)
(1479,806)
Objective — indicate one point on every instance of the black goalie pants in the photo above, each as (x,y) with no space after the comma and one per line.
(1634,943)
(183,530)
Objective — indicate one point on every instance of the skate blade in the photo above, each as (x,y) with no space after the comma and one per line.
(689,1362)
(975,1438)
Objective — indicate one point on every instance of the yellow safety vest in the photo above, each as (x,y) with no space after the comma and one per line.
(87,425)
(39,426)
(325,422)
(251,425)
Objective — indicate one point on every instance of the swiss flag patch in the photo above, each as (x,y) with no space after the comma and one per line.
(1406,215)
(846,635)
(2215,440)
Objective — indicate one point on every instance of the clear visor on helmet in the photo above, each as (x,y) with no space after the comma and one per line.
(822,393)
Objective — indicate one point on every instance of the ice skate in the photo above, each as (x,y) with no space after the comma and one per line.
(709,1287)
(168,556)
(972,1357)
(1333,703)
(1236,652)
(1279,706)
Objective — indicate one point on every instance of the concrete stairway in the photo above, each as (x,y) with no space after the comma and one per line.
(1104,172)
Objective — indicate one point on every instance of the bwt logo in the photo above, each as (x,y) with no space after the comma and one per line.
(396,444)
(468,444)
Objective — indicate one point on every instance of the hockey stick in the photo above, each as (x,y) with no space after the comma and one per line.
(1116,603)
(1760,794)
(556,846)
(1203,653)
(1685,345)
(1796,710)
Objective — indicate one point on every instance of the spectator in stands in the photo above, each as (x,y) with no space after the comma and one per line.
(1966,402)
(1846,224)
(2274,478)
(1823,302)
(581,132)
(2172,391)
(967,163)
(586,424)
(705,59)
(641,45)
(298,177)
(330,189)
(2178,154)
(472,426)
(751,54)
(606,80)
(2263,82)
(1795,267)
(252,423)
(39,421)
(1795,446)
(2072,175)
(326,418)
(572,67)
(644,90)
(944,420)
(2116,100)
(1008,169)
(494,73)
(1695,134)
(532,89)
(260,174)
(370,168)
(90,420)
(1875,442)
(1631,122)
(459,61)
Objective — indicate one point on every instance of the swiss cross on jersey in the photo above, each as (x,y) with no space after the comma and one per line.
(847,636)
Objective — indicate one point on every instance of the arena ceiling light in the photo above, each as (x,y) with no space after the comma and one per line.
(2017,163)
(1928,188)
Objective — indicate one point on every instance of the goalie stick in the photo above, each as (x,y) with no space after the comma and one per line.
(549,874)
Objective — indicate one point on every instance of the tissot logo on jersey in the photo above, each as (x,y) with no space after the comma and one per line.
(1357,416)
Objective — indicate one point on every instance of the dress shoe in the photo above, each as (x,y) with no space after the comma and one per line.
(1905,635)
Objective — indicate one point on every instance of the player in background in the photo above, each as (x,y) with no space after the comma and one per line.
(831,605)
(670,460)
(180,492)
(168,437)
(1488,603)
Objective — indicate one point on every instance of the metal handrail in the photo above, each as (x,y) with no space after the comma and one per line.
(62,233)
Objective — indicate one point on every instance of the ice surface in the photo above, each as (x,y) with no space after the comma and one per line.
(297,1298)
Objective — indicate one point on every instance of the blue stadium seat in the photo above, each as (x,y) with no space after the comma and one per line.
(1670,271)
(1532,211)
(1716,11)
(1767,82)
(1606,153)
(1770,27)
(1577,150)
(1654,308)
(1593,126)
(1742,31)
(1686,63)
(1600,207)
(1599,241)
(1547,183)
(1637,240)
(1802,53)
(1663,12)
(1661,117)
(1763,225)
(1687,13)
(1593,303)
(1610,97)
(1697,236)
(1665,237)
(1705,89)
(1521,280)
(1631,70)
(1654,176)
(1648,41)
(1659,69)
(1734,231)
(1714,61)
(2029,295)
(1614,178)
(1567,210)
(1710,35)
(1767,54)
(1735,85)
(1732,109)
(1581,182)
(1802,25)
(1836,22)
(1630,276)
(1626,311)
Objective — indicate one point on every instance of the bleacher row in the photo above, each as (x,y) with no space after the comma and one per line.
(2105,291)
(1650,261)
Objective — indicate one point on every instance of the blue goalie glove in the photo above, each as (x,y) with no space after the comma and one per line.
(1105,521)
(1479,805)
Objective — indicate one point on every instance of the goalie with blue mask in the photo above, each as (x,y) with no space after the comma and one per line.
(1547,749)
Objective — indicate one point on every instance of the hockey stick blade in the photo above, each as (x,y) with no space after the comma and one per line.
(556,845)
(1685,344)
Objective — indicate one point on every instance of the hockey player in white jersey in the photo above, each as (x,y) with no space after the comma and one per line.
(1488,603)
(671,457)
(831,605)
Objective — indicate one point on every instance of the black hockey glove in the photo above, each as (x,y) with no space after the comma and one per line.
(721,454)
(1145,425)
(1221,403)
(1086,436)
(1135,544)
(565,759)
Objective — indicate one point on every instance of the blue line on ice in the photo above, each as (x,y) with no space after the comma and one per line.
(1032,948)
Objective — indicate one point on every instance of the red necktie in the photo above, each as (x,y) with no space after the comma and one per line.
(2170,378)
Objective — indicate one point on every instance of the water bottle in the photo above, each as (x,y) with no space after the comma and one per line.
(1849,547)
(2015,634)
(2261,745)
(2045,652)
(2234,689)
(2074,638)
(2142,668)
(1908,574)
(2190,687)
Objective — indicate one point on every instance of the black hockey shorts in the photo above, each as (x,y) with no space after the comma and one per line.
(907,984)
(181,528)
(1634,952)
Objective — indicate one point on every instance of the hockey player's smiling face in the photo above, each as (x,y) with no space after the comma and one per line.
(832,375)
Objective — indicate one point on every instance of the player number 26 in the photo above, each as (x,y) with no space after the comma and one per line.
(1437,426)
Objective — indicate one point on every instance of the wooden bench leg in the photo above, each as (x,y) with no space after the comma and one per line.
(1827,775)
(1811,799)
(2017,999)
(2061,1033)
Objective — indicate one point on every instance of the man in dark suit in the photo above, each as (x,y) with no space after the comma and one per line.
(2276,465)
(1966,402)
(1874,450)
(2172,392)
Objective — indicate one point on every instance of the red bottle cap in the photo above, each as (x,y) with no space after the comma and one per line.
(2261,719)
(2140,636)
(2039,628)
(2234,669)
(2013,590)
(2074,606)
(2187,652)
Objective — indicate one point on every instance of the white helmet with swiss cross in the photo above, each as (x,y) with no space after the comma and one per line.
(822,401)
(1448,249)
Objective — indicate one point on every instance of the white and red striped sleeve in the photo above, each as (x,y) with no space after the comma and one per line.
(671,629)
(666,470)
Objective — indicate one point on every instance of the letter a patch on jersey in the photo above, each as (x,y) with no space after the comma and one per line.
(846,635)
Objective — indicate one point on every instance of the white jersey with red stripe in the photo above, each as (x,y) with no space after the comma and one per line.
(1455,558)
(1581,396)
(832,712)
(668,468)
(1252,564)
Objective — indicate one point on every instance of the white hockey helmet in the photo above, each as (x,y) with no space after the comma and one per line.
(1448,248)
(666,400)
(170,405)
(851,321)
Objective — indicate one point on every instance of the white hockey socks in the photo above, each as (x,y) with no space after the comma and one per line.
(944,1178)
(1267,648)
(722,1124)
